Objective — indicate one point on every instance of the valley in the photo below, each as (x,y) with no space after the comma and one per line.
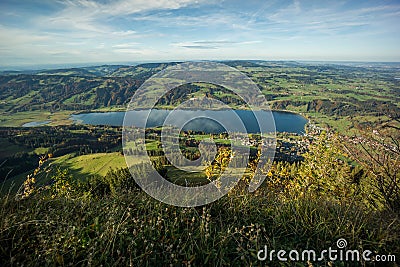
(335,156)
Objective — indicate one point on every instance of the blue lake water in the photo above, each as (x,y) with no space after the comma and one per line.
(284,121)
(35,123)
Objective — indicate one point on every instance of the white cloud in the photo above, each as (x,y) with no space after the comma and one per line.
(124,33)
(131,51)
(13,36)
(123,7)
(125,45)
(212,44)
(134,6)
(332,19)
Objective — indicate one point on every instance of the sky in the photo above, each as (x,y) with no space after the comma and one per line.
(34,32)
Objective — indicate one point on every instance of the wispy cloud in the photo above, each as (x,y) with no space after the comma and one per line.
(125,45)
(125,7)
(330,20)
(211,44)
(94,17)
(131,51)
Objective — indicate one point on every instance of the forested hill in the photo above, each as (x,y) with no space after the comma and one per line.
(73,89)
(333,90)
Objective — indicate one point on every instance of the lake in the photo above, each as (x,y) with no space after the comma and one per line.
(284,121)
(35,123)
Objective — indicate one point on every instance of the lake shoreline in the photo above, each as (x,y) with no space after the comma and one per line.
(194,109)
(70,120)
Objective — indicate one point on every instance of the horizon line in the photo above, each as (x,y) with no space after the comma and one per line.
(48,66)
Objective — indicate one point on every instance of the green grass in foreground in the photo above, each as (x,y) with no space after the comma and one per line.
(134,229)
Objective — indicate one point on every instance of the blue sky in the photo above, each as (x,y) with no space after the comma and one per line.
(104,31)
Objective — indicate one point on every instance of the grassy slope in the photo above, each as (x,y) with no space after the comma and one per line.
(93,164)
(80,167)
(137,230)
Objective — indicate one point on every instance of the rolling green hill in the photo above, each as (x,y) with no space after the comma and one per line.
(331,94)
